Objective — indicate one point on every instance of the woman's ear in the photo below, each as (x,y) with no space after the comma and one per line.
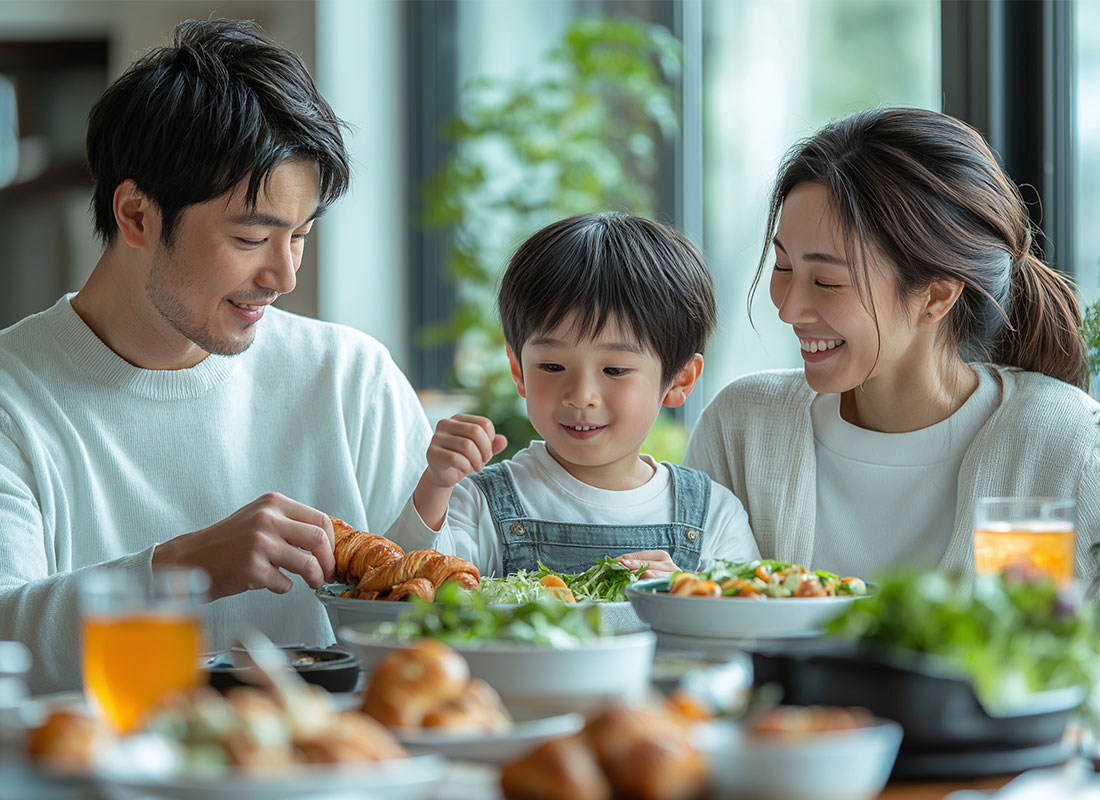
(942,295)
(137,216)
(517,371)
(683,382)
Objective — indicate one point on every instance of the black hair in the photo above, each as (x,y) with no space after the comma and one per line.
(645,276)
(220,104)
(924,190)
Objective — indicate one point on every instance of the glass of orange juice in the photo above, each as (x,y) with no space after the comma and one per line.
(1036,534)
(140,641)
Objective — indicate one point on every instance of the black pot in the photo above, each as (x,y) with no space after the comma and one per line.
(331,668)
(937,709)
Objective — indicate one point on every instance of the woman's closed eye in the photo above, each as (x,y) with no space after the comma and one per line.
(819,283)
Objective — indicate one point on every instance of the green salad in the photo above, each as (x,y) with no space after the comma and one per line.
(462,617)
(1012,637)
(768,577)
(603,582)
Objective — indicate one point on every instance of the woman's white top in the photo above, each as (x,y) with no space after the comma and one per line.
(901,488)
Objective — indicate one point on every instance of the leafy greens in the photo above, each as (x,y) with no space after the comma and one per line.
(1011,637)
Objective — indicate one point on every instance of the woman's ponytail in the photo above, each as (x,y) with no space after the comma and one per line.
(1043,331)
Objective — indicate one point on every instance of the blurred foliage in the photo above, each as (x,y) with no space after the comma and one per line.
(584,134)
(1091,330)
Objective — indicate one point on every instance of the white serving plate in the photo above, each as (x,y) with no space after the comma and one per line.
(492,748)
(830,765)
(538,678)
(351,610)
(731,617)
(139,768)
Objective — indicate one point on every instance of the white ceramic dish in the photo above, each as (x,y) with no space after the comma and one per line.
(538,678)
(832,765)
(731,617)
(350,610)
(492,748)
(138,768)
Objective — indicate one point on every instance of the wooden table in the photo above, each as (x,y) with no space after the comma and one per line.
(936,790)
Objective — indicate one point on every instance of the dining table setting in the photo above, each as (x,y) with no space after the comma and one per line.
(757,679)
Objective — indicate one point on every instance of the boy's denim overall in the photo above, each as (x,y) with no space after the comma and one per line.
(574,547)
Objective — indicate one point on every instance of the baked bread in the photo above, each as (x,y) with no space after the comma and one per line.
(410,683)
(561,769)
(356,552)
(67,741)
(428,564)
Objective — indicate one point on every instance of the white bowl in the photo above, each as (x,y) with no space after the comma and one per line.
(732,617)
(831,765)
(538,678)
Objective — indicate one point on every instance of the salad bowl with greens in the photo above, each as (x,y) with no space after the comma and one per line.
(540,656)
(762,599)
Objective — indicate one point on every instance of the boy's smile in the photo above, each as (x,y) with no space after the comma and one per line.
(594,401)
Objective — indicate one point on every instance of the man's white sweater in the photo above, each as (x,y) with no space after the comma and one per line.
(100,461)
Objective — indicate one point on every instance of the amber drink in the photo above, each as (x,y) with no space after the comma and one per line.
(139,643)
(1032,534)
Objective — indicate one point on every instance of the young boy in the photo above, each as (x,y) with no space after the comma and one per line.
(605,318)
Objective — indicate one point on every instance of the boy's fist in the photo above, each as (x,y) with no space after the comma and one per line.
(463,444)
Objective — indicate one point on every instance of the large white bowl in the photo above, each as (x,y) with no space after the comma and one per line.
(731,617)
(830,765)
(537,678)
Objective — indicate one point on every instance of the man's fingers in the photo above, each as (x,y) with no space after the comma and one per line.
(313,541)
(299,562)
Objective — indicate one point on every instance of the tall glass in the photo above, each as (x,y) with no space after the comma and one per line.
(140,642)
(1035,534)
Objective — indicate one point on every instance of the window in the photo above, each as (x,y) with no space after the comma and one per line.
(773,73)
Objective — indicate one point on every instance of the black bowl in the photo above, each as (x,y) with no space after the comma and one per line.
(937,709)
(331,668)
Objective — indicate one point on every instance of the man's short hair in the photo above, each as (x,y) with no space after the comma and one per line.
(221,103)
(647,277)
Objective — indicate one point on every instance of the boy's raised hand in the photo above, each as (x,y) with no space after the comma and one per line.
(463,444)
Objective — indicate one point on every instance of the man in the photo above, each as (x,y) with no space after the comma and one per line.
(136,414)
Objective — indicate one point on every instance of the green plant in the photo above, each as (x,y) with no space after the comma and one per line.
(1091,330)
(583,135)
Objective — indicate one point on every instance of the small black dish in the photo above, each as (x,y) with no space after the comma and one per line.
(937,709)
(331,668)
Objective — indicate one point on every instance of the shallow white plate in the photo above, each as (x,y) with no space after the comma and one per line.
(351,610)
(539,679)
(492,748)
(137,768)
(731,617)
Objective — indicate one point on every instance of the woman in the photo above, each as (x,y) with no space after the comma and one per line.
(943,361)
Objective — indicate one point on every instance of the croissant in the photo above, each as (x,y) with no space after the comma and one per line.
(357,552)
(428,564)
(417,587)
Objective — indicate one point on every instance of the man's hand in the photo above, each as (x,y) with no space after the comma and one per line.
(660,563)
(251,548)
(463,444)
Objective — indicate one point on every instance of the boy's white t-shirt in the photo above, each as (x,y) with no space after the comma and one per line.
(547,491)
(900,489)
